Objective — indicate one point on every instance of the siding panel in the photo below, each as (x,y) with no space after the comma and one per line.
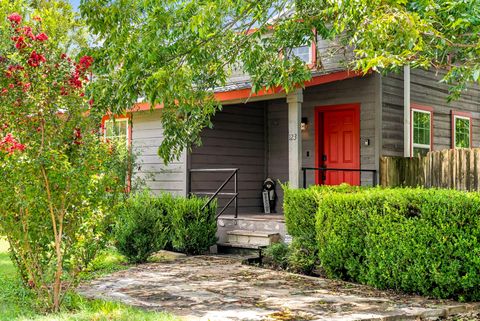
(237,140)
(147,135)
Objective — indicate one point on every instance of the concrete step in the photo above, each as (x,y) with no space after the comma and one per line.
(259,223)
(256,238)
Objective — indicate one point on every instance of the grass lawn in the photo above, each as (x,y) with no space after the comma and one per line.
(16,303)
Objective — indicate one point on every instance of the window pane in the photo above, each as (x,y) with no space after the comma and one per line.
(117,129)
(108,128)
(122,128)
(421,128)
(303,53)
(462,133)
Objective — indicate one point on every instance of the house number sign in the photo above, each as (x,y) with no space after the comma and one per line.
(292,136)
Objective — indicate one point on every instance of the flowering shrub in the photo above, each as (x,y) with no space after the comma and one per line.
(59,179)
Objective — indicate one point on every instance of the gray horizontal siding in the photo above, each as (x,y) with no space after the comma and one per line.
(425,90)
(147,135)
(392,115)
(278,144)
(236,141)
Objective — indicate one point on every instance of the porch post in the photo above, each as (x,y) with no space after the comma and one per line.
(295,100)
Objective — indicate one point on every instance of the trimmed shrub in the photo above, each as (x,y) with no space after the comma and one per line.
(147,223)
(193,229)
(300,207)
(143,225)
(414,240)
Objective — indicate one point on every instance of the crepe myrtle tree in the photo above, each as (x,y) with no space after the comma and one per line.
(59,176)
(176,52)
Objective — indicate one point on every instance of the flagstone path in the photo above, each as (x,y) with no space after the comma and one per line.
(221,288)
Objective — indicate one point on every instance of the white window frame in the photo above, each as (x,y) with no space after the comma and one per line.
(310,53)
(115,121)
(312,50)
(412,127)
(455,117)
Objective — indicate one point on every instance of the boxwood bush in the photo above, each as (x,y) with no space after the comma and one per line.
(143,226)
(300,207)
(146,223)
(193,229)
(414,240)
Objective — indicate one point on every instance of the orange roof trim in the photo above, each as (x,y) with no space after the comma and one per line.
(246,93)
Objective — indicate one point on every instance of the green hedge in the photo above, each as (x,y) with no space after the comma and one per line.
(146,223)
(300,207)
(414,240)
(194,229)
(143,226)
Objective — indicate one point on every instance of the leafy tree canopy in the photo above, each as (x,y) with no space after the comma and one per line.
(59,21)
(175,52)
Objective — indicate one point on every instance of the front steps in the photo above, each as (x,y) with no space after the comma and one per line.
(249,233)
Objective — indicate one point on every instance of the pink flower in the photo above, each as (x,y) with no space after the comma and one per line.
(11,86)
(15,18)
(27,31)
(20,43)
(10,145)
(85,62)
(74,81)
(37,18)
(41,37)
(36,59)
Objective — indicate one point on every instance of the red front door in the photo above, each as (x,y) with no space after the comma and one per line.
(338,132)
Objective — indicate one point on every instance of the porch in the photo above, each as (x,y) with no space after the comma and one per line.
(287,138)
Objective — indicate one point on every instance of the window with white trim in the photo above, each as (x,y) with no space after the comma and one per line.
(117,129)
(461,131)
(421,132)
(304,52)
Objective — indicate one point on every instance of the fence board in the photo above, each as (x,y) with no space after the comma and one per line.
(451,168)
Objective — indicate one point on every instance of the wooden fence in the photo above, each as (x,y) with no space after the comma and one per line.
(452,168)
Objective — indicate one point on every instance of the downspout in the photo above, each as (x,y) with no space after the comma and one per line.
(406,111)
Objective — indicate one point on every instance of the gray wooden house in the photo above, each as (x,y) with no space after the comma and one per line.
(340,120)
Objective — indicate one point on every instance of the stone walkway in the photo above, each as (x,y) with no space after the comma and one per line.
(221,288)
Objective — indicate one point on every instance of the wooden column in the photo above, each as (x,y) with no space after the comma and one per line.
(295,100)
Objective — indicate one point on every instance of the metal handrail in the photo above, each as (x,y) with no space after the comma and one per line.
(218,191)
(325,169)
